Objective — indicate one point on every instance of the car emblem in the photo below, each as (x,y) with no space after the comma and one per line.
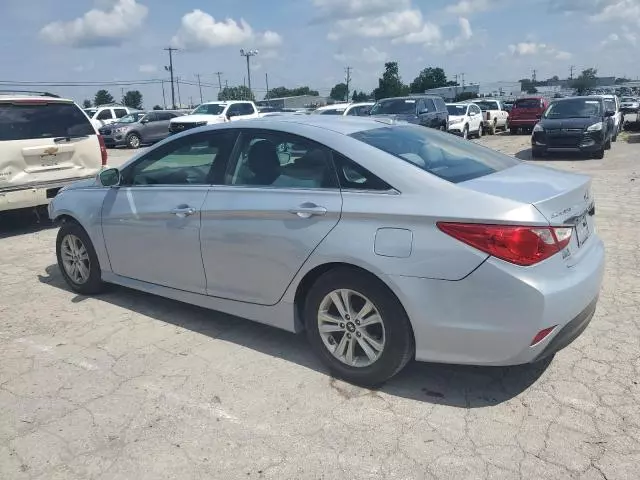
(51,151)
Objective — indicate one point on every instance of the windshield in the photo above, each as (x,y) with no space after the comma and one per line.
(440,154)
(484,106)
(527,103)
(132,117)
(574,108)
(209,109)
(457,109)
(49,120)
(394,106)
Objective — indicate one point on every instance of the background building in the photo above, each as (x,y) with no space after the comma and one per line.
(301,101)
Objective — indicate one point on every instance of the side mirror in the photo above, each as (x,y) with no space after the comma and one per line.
(109,177)
(144,121)
(422,112)
(609,113)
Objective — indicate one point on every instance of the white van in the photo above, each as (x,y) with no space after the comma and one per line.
(46,143)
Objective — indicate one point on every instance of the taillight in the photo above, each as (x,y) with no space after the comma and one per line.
(103,150)
(520,245)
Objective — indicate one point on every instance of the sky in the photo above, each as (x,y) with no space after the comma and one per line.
(308,42)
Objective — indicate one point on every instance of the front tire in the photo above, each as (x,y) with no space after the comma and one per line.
(134,141)
(465,132)
(607,144)
(479,134)
(77,259)
(358,327)
(598,154)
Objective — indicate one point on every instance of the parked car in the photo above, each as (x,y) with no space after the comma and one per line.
(361,109)
(526,112)
(581,124)
(612,102)
(104,115)
(211,113)
(135,130)
(335,109)
(629,105)
(425,110)
(494,115)
(465,119)
(46,143)
(385,241)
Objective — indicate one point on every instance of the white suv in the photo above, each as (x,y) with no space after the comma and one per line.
(214,112)
(46,143)
(106,114)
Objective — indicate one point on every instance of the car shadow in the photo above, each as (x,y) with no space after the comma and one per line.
(552,156)
(450,385)
(24,221)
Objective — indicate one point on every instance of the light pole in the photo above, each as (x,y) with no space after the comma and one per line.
(248,54)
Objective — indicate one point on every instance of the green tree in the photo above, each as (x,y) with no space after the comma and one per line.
(132,99)
(236,93)
(102,97)
(360,96)
(86,104)
(429,78)
(585,81)
(339,92)
(157,107)
(390,84)
(280,92)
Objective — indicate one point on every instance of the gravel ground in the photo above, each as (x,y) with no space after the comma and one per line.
(131,386)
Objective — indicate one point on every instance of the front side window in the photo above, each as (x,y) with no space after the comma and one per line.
(610,104)
(437,153)
(273,159)
(120,112)
(22,121)
(209,109)
(197,159)
(246,109)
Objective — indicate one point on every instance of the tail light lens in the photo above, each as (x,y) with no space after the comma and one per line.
(103,150)
(520,245)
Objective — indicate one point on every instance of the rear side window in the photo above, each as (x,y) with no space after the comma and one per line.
(438,153)
(120,112)
(105,115)
(440,105)
(528,103)
(23,121)
(354,177)
(610,104)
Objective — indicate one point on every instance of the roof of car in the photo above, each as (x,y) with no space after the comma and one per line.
(339,124)
(336,106)
(38,98)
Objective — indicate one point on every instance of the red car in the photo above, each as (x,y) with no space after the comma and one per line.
(526,112)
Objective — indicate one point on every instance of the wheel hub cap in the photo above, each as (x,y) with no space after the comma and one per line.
(75,259)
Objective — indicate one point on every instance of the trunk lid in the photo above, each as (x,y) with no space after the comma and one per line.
(45,141)
(563,198)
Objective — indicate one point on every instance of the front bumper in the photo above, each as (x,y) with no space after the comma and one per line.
(456,128)
(116,140)
(491,316)
(577,141)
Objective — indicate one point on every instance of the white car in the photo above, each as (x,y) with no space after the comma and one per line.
(612,102)
(465,119)
(46,143)
(106,114)
(211,113)
(346,109)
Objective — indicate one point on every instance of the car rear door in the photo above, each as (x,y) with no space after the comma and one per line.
(279,201)
(45,142)
(153,129)
(151,223)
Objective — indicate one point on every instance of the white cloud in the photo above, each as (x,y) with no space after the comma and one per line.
(345,9)
(147,68)
(524,49)
(98,27)
(430,34)
(627,36)
(373,55)
(462,39)
(200,30)
(388,25)
(467,7)
(627,11)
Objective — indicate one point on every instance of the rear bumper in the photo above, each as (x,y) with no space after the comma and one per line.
(523,122)
(32,195)
(492,316)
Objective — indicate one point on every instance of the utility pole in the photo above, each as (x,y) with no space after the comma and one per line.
(164,99)
(190,102)
(248,54)
(122,91)
(266,78)
(178,85)
(200,87)
(348,78)
(462,75)
(534,76)
(455,89)
(170,69)
(219,74)
(571,68)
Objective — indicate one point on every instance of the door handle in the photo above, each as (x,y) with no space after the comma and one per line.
(183,211)
(308,210)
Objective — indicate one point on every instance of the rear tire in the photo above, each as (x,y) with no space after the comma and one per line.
(77,259)
(492,130)
(353,358)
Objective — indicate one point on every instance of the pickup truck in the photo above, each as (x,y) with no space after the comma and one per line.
(210,113)
(494,115)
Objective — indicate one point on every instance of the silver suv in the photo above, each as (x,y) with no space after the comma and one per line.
(139,128)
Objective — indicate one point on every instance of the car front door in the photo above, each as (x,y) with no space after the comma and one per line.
(162,125)
(279,201)
(427,112)
(151,222)
(475,116)
(153,129)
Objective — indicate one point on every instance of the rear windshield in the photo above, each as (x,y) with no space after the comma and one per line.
(527,103)
(49,120)
(484,106)
(440,154)
(457,109)
(394,106)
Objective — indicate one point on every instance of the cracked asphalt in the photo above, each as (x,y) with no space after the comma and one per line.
(131,386)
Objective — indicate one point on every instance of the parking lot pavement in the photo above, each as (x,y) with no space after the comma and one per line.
(130,386)
(118,156)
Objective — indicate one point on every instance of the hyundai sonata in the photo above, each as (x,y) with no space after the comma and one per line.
(384,241)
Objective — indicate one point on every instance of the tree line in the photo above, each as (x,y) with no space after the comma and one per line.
(131,99)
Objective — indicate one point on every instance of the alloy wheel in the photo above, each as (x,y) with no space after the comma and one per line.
(351,328)
(75,259)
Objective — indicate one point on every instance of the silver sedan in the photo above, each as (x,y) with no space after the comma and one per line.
(385,242)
